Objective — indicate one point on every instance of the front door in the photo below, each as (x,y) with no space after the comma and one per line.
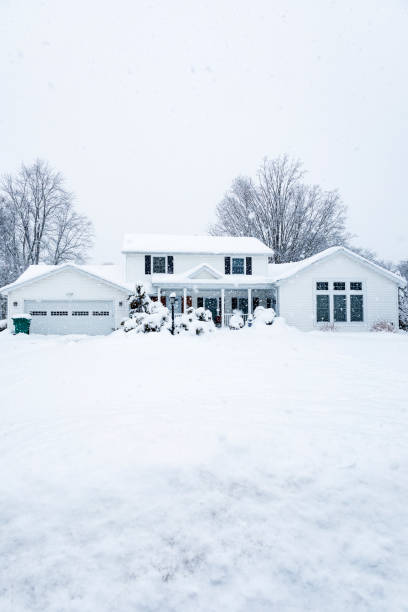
(211,304)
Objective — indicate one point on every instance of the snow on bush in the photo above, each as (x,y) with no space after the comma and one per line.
(383,326)
(3,324)
(196,321)
(264,315)
(144,314)
(236,321)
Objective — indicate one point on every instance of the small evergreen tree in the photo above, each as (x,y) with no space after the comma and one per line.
(144,314)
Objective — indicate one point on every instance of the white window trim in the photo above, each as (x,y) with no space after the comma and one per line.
(235,256)
(347,292)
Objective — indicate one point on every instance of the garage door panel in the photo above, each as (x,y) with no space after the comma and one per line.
(70,317)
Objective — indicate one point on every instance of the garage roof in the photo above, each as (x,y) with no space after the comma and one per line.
(109,273)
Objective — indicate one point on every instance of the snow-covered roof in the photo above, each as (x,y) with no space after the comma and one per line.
(214,278)
(167,243)
(279,272)
(109,273)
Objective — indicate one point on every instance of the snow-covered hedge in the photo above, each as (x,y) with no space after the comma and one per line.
(144,314)
(196,321)
(264,316)
(383,326)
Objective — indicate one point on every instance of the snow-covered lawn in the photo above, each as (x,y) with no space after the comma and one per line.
(240,471)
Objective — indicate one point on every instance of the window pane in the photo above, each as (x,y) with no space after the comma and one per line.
(356,308)
(340,311)
(322,308)
(243,305)
(322,286)
(337,286)
(356,286)
(237,265)
(159,265)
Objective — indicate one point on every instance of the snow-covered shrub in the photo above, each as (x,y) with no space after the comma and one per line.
(144,314)
(264,315)
(3,324)
(327,327)
(236,321)
(383,326)
(196,321)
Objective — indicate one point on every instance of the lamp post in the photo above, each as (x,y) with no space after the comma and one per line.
(172,300)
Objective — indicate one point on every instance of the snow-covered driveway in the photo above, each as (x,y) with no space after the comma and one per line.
(243,471)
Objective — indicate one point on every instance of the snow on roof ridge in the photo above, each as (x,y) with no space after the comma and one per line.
(193,243)
(295,267)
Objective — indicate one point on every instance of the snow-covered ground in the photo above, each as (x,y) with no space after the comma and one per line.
(248,471)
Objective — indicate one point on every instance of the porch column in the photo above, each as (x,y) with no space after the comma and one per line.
(222,306)
(184,299)
(249,301)
(158,294)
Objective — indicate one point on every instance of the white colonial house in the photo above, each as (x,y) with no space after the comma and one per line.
(223,274)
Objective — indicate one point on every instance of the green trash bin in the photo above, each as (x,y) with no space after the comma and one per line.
(22,324)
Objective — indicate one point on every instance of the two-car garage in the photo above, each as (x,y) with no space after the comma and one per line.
(70,317)
(69,298)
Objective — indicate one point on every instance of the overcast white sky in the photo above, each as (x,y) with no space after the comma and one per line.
(150,109)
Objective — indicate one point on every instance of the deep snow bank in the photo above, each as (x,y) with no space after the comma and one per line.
(237,471)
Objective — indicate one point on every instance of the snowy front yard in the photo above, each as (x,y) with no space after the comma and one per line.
(240,472)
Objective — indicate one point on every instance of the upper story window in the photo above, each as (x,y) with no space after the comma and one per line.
(159,265)
(356,286)
(322,286)
(238,265)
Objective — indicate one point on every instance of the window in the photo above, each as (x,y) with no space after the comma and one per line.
(101,313)
(270,258)
(356,286)
(120,304)
(148,264)
(339,308)
(80,313)
(339,286)
(38,313)
(15,304)
(322,286)
(322,308)
(356,308)
(59,313)
(243,305)
(238,265)
(159,265)
(170,264)
(248,265)
(227,265)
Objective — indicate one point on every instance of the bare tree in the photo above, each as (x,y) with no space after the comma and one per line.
(40,223)
(294,219)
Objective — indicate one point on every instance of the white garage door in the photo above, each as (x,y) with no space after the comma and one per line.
(69,317)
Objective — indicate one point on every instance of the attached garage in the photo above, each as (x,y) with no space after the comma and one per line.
(68,317)
(70,299)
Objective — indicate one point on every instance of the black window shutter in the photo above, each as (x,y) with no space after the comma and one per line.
(170,264)
(248,265)
(227,265)
(200,302)
(234,303)
(148,264)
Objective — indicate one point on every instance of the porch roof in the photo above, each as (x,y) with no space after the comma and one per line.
(225,281)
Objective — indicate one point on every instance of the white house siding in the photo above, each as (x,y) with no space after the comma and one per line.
(135,264)
(68,285)
(297,295)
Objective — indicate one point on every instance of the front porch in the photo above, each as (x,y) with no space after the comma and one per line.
(222,302)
